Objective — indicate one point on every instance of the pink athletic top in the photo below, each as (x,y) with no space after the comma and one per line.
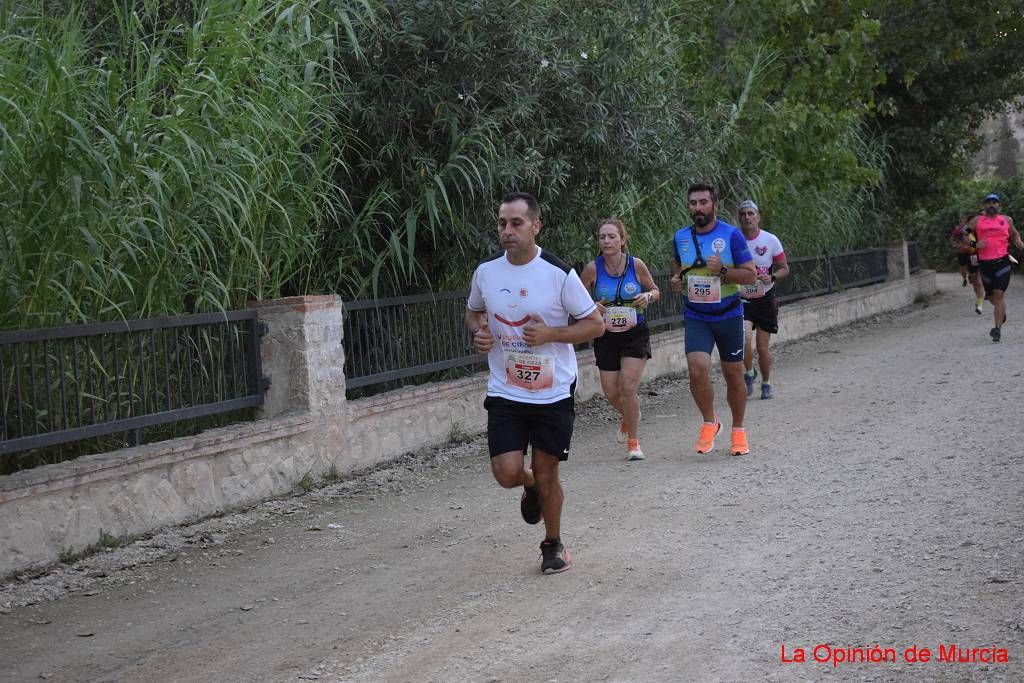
(996,233)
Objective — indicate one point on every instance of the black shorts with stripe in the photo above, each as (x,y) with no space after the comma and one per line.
(995,274)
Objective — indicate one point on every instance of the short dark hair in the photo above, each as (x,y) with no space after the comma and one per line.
(703,186)
(532,207)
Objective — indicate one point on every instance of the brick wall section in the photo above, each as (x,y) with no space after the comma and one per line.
(302,354)
(307,427)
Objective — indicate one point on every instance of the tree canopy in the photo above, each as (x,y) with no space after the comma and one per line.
(163,156)
(946,66)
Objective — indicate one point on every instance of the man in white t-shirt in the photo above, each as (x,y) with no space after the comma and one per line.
(519,307)
(760,304)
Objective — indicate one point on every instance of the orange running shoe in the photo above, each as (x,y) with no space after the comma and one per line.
(634,452)
(708,432)
(739,442)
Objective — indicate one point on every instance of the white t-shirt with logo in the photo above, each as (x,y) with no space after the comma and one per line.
(510,294)
(766,249)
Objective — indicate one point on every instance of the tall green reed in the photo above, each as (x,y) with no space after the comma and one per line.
(152,165)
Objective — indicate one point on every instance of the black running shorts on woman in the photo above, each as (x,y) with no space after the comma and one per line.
(969,260)
(995,274)
(611,347)
(512,426)
(763,312)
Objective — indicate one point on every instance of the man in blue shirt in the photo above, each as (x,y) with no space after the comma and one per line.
(710,261)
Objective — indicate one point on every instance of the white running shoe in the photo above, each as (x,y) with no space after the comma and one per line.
(623,435)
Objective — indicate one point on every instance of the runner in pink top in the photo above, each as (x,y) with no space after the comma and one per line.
(995,231)
(993,236)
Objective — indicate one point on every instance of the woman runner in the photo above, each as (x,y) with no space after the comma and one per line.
(623,288)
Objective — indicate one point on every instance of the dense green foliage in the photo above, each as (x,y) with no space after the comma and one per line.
(931,227)
(462,100)
(162,156)
(153,167)
(946,66)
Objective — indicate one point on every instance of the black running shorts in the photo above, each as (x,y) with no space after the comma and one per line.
(995,274)
(965,260)
(612,347)
(763,312)
(512,426)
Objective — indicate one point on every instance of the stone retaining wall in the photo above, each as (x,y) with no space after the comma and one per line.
(307,429)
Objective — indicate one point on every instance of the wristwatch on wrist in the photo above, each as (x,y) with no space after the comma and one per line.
(723,271)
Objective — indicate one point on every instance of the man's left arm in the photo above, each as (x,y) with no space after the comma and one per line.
(780,266)
(589,323)
(536,332)
(744,272)
(1014,235)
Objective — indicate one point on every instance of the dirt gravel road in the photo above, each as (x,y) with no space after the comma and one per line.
(881,505)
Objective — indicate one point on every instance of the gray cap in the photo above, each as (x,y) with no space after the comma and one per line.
(748,204)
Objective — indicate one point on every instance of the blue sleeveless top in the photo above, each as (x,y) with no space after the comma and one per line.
(606,286)
(734,250)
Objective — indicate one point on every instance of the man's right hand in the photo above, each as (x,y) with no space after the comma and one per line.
(482,338)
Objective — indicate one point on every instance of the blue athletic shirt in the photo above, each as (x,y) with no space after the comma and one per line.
(607,285)
(733,251)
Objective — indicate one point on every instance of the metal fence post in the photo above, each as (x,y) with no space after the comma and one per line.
(829,272)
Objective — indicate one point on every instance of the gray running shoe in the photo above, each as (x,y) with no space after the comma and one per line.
(749,379)
(555,557)
(766,391)
(529,505)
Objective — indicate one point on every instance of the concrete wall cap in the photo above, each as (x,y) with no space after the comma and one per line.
(308,302)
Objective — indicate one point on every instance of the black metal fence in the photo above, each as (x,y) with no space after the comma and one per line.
(424,337)
(78,382)
(827,273)
(389,340)
(68,384)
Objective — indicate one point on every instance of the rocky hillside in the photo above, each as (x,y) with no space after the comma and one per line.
(1003,151)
